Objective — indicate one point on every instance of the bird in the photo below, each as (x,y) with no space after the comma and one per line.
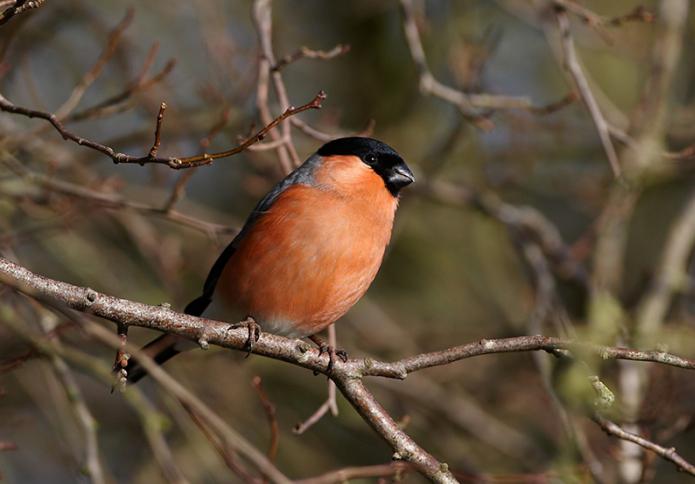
(310,248)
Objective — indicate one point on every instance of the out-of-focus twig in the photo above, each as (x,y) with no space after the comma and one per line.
(329,404)
(7,446)
(320,135)
(112,200)
(228,455)
(269,410)
(92,74)
(520,220)
(307,53)
(262,17)
(576,72)
(348,473)
(119,102)
(671,274)
(669,454)
(151,420)
(598,22)
(82,413)
(476,108)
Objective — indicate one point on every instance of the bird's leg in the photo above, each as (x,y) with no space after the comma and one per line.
(254,332)
(332,352)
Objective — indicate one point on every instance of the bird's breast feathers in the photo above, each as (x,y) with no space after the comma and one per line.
(314,252)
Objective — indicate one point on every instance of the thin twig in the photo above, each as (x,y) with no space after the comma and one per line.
(262,15)
(175,163)
(92,74)
(113,200)
(157,131)
(307,53)
(7,446)
(669,454)
(151,420)
(582,84)
(348,473)
(118,102)
(330,403)
(476,108)
(82,413)
(228,455)
(269,410)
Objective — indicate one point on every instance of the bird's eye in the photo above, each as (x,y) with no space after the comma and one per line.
(370,159)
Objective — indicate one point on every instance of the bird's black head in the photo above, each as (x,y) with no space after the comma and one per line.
(379,156)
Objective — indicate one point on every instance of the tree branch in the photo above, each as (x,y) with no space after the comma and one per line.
(172,162)
(346,375)
(579,79)
(669,454)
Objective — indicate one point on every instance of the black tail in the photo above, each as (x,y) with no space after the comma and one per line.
(163,348)
(160,350)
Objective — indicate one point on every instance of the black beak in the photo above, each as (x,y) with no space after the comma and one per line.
(399,176)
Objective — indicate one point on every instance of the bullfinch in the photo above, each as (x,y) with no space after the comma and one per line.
(310,248)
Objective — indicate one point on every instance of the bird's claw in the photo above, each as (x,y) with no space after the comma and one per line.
(332,353)
(254,330)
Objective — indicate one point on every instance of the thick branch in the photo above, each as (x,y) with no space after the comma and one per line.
(347,375)
(223,334)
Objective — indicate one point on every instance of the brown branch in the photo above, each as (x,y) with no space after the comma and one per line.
(175,163)
(347,375)
(157,131)
(229,336)
(669,454)
(269,410)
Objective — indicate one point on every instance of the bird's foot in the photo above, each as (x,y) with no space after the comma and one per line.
(254,330)
(254,333)
(331,351)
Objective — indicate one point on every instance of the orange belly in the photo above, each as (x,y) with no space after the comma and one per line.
(309,258)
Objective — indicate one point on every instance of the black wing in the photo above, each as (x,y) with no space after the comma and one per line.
(303,175)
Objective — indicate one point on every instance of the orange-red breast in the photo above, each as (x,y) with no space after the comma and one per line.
(311,247)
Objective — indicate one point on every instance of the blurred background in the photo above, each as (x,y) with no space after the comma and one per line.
(504,234)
